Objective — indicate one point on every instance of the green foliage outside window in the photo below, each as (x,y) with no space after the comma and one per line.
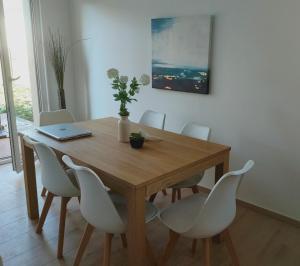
(23,103)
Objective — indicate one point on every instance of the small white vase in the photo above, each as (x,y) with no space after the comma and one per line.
(123,129)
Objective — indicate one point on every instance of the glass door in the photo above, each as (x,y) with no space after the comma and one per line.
(18,79)
(7,80)
(5,151)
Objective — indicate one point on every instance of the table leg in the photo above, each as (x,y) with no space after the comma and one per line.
(220,170)
(30,181)
(136,228)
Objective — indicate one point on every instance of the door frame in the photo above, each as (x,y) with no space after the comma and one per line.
(8,79)
(8,93)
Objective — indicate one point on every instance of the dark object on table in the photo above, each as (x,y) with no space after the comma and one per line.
(136,140)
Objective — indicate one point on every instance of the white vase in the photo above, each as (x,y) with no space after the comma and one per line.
(123,129)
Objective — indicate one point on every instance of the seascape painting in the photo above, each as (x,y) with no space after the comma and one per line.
(180,53)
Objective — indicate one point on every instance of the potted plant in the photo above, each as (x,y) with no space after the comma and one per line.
(125,95)
(136,140)
(58,53)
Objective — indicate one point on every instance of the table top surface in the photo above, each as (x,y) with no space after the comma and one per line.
(102,151)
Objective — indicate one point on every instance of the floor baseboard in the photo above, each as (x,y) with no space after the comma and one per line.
(261,210)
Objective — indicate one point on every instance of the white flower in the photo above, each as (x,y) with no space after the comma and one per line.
(145,79)
(112,73)
(124,79)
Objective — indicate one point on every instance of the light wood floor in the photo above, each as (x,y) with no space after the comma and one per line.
(259,240)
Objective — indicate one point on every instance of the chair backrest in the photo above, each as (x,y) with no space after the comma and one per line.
(219,209)
(96,205)
(56,117)
(153,119)
(196,131)
(54,178)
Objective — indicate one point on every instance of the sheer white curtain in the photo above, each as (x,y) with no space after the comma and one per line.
(35,25)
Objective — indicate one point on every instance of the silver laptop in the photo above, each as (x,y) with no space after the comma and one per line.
(64,131)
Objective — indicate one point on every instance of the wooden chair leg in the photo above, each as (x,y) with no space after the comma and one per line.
(44,191)
(174,191)
(124,240)
(152,197)
(194,246)
(231,248)
(207,251)
(164,191)
(217,239)
(107,249)
(170,247)
(83,243)
(44,213)
(179,194)
(62,222)
(195,189)
(150,253)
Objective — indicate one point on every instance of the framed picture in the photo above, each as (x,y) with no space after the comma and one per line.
(180,53)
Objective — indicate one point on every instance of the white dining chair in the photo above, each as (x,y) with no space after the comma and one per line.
(153,119)
(101,211)
(197,131)
(157,120)
(51,118)
(200,217)
(59,183)
(56,117)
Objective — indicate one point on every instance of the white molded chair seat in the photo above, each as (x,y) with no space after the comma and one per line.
(205,217)
(150,211)
(153,119)
(101,209)
(192,181)
(54,117)
(72,177)
(180,215)
(192,130)
(58,182)
(196,131)
(107,201)
(54,178)
(215,213)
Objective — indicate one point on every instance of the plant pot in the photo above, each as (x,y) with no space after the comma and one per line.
(123,129)
(61,99)
(137,143)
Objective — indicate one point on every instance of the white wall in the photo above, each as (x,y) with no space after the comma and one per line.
(255,86)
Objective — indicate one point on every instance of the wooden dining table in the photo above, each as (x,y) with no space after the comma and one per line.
(134,173)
